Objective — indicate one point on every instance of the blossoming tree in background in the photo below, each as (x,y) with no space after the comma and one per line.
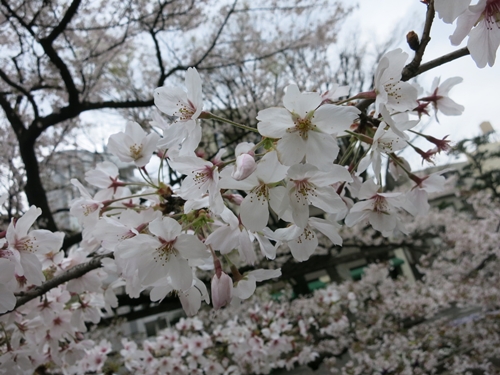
(155,235)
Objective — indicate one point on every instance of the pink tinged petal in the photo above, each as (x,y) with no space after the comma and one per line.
(377,164)
(173,136)
(188,165)
(228,182)
(365,163)
(192,141)
(483,43)
(263,274)
(304,246)
(267,248)
(134,131)
(300,208)
(334,174)
(7,300)
(359,212)
(449,107)
(194,89)
(25,222)
(402,96)
(45,241)
(448,84)
(448,11)
(180,272)
(327,199)
(170,99)
(190,247)
(245,248)
(222,290)
(245,288)
(465,23)
(286,234)
(244,148)
(334,119)
(328,229)
(303,103)
(274,122)
(148,148)
(158,293)
(216,203)
(32,268)
(291,149)
(166,228)
(322,149)
(389,121)
(224,239)
(276,197)
(190,301)
(420,203)
(368,189)
(382,222)
(270,170)
(254,212)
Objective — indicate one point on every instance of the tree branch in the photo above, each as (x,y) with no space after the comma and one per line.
(73,8)
(412,67)
(73,273)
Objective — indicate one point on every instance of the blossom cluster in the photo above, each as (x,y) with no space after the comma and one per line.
(448,320)
(222,214)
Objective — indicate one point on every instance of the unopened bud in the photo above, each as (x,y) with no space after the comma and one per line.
(244,167)
(222,290)
(412,40)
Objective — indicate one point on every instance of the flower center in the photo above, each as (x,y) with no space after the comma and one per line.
(203,175)
(380,205)
(136,151)
(25,244)
(262,192)
(302,126)
(186,111)
(308,235)
(492,14)
(164,252)
(303,188)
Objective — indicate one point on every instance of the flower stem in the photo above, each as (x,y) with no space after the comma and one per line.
(222,119)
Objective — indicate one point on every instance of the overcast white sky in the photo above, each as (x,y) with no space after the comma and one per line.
(378,19)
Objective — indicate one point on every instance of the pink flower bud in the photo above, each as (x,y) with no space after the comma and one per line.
(233,198)
(245,166)
(222,290)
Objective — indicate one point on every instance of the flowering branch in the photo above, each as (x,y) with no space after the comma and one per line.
(73,273)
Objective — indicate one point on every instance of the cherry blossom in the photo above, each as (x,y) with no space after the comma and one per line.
(388,87)
(133,145)
(379,208)
(23,247)
(480,22)
(164,254)
(261,185)
(439,97)
(308,185)
(304,128)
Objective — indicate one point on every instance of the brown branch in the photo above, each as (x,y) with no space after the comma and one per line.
(73,273)
(412,67)
(437,62)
